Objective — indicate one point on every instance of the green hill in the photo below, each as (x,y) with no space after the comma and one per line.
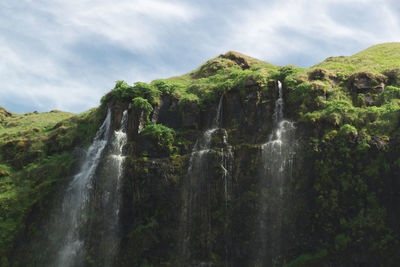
(377,58)
(342,207)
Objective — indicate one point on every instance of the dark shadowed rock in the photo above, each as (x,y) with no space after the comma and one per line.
(318,74)
(376,143)
(366,82)
(393,76)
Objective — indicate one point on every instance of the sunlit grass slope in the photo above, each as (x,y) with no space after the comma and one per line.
(35,154)
(376,59)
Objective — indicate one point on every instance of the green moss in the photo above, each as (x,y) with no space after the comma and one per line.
(162,135)
(35,155)
(142,104)
(347,129)
(310,259)
(390,93)
(125,92)
(342,241)
(25,189)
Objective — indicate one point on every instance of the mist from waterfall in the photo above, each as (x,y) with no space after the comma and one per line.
(275,175)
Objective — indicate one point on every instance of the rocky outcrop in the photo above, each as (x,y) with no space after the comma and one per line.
(367,82)
(239,59)
(393,77)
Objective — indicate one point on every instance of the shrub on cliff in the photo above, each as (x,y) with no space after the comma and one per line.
(140,103)
(161,135)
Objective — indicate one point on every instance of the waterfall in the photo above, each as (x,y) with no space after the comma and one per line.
(227,168)
(195,226)
(277,158)
(110,180)
(86,227)
(66,235)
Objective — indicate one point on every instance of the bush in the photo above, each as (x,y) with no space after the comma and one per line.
(140,103)
(148,91)
(347,129)
(122,90)
(391,92)
(162,135)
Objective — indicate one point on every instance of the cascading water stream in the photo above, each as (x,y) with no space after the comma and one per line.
(227,167)
(110,191)
(197,187)
(66,233)
(277,159)
(87,228)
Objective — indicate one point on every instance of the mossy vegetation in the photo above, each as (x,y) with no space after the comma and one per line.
(35,156)
(376,59)
(347,110)
(160,135)
(347,114)
(231,71)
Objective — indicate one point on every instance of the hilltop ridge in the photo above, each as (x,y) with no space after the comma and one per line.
(376,58)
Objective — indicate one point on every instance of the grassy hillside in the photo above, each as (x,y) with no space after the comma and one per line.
(376,59)
(35,154)
(340,101)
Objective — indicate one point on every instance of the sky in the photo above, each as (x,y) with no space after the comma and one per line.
(66,54)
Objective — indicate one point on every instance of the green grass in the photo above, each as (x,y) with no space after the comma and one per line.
(23,189)
(30,124)
(35,155)
(36,148)
(375,59)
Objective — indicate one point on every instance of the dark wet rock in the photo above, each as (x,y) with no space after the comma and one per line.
(369,100)
(190,113)
(376,143)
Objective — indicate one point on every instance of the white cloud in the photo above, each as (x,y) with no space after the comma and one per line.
(260,30)
(39,38)
(133,24)
(65,54)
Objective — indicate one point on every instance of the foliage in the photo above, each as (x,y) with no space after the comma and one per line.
(36,155)
(310,259)
(348,182)
(161,134)
(140,103)
(203,85)
(391,92)
(348,129)
(348,192)
(123,91)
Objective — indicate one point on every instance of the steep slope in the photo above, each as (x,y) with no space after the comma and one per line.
(210,155)
(36,153)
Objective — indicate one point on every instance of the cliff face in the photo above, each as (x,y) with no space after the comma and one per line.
(238,163)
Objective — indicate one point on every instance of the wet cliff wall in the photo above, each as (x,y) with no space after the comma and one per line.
(194,188)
